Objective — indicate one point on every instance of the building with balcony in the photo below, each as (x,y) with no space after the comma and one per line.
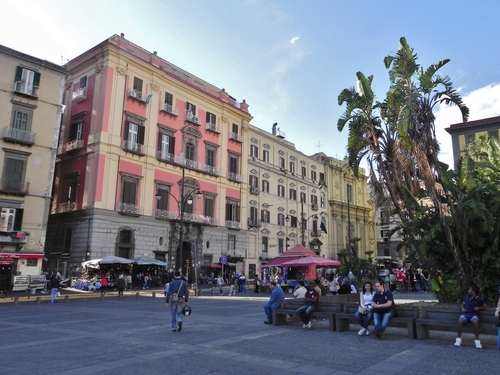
(351,209)
(141,140)
(286,200)
(31,92)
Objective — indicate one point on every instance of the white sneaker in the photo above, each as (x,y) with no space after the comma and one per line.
(478,344)
(308,325)
(458,341)
(304,326)
(362,331)
(367,332)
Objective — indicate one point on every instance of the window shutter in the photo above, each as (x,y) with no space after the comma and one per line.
(83,82)
(171,145)
(208,117)
(140,136)
(160,137)
(127,126)
(18,219)
(237,218)
(228,211)
(74,129)
(36,79)
(19,73)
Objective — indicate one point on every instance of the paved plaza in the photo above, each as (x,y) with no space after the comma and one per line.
(225,335)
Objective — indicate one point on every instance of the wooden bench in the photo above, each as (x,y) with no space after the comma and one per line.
(406,318)
(446,319)
(325,309)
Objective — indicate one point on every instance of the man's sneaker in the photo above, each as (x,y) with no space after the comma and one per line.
(458,341)
(308,325)
(179,327)
(174,330)
(304,326)
(362,331)
(367,332)
(478,344)
(268,322)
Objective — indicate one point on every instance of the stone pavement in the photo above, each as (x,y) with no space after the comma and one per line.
(225,335)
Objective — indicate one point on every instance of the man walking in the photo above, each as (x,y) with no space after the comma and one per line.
(470,314)
(54,288)
(311,299)
(180,289)
(277,296)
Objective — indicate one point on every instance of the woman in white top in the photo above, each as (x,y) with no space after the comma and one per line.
(333,284)
(364,315)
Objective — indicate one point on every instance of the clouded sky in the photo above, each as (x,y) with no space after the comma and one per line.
(288,58)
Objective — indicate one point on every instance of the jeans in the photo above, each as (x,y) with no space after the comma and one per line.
(242,288)
(269,312)
(498,339)
(53,294)
(231,290)
(364,320)
(381,320)
(176,312)
(220,290)
(304,313)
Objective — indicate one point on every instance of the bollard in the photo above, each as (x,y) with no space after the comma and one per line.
(153,294)
(38,300)
(16,301)
(137,294)
(66,299)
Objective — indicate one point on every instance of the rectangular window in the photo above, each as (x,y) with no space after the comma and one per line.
(281,245)
(233,164)
(321,177)
(314,200)
(264,216)
(76,132)
(27,81)
(191,108)
(166,146)
(14,173)
(129,191)
(265,186)
(231,243)
(254,181)
(265,244)
(323,202)
(163,193)
(253,215)
(254,151)
(293,221)
(313,175)
(11,219)
(281,191)
(210,157)
(303,197)
(304,172)
(137,84)
(235,129)
(208,206)
(282,163)
(232,212)
(134,135)
(292,167)
(293,194)
(169,98)
(22,119)
(281,219)
(265,156)
(211,118)
(349,193)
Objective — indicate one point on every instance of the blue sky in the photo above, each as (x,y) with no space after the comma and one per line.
(289,59)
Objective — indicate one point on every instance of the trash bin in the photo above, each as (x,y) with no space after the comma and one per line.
(33,291)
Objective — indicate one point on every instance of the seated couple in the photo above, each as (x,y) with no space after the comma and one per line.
(374,304)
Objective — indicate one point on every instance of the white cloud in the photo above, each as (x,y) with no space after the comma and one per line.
(483,103)
(294,39)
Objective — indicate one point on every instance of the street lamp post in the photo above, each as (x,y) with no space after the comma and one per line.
(181,204)
(304,221)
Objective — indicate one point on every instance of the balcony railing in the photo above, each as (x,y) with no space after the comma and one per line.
(254,190)
(234,177)
(79,95)
(165,156)
(134,147)
(211,169)
(211,126)
(67,207)
(22,87)
(314,207)
(233,224)
(14,187)
(187,217)
(169,108)
(129,209)
(192,118)
(236,137)
(17,135)
(74,145)
(136,94)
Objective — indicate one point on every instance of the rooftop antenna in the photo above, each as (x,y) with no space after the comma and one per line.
(319,146)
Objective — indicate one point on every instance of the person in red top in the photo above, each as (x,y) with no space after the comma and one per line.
(104,284)
(311,300)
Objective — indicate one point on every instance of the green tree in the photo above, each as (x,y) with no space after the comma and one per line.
(440,210)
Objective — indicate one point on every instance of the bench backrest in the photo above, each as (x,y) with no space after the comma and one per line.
(329,307)
(411,312)
(350,307)
(294,304)
(342,298)
(449,313)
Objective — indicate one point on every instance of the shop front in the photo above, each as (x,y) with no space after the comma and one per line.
(16,264)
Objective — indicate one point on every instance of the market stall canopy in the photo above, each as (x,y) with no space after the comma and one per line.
(299,250)
(93,263)
(311,261)
(278,261)
(211,265)
(146,261)
(111,259)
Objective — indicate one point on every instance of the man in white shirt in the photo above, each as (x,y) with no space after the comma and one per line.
(300,290)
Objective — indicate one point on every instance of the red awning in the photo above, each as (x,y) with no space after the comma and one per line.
(21,255)
(211,265)
(278,260)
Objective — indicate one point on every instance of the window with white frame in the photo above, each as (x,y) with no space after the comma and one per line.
(11,219)
(265,216)
(166,145)
(265,244)
(292,167)
(27,81)
(282,163)
(281,191)
(231,243)
(293,194)
(22,118)
(254,151)
(253,181)
(265,156)
(265,186)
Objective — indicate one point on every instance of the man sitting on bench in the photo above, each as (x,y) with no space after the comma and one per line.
(470,314)
(311,299)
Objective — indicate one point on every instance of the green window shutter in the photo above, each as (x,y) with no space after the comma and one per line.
(19,73)
(36,79)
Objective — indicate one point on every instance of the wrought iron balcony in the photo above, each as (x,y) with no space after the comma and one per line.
(211,126)
(14,187)
(192,118)
(79,95)
(129,209)
(134,147)
(236,137)
(67,207)
(74,145)
(136,94)
(169,108)
(234,177)
(233,224)
(20,136)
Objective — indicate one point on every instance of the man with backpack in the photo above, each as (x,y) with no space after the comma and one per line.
(177,296)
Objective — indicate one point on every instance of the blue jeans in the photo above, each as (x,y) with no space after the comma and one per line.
(498,339)
(304,313)
(364,320)
(381,321)
(53,294)
(242,288)
(269,312)
(220,290)
(176,312)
